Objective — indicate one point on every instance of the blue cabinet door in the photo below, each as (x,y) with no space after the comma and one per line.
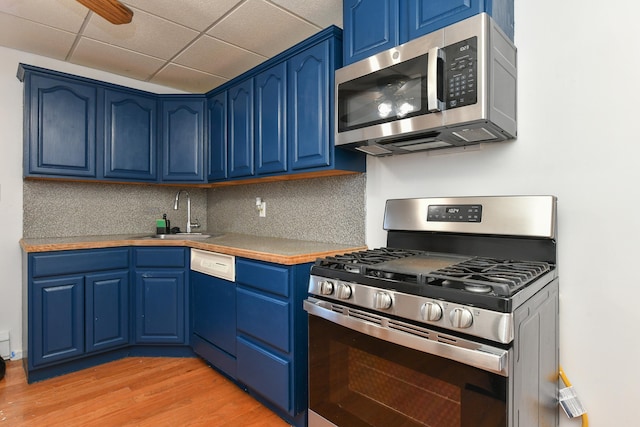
(270,120)
(107,310)
(60,127)
(217,130)
(56,320)
(370,27)
(183,139)
(310,96)
(420,17)
(160,309)
(130,136)
(240,98)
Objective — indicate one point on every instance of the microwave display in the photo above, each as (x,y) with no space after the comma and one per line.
(400,91)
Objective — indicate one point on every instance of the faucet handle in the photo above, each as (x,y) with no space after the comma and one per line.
(195,224)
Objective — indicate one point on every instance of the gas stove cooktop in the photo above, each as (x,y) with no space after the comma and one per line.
(480,281)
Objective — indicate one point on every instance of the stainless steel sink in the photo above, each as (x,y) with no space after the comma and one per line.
(183,236)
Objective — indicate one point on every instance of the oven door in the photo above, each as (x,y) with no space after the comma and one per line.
(358,379)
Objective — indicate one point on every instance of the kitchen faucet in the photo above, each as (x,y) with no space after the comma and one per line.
(190,225)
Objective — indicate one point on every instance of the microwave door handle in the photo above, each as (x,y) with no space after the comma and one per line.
(434,77)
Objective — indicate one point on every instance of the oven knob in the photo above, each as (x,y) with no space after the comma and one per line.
(461,318)
(343,291)
(431,311)
(326,287)
(382,300)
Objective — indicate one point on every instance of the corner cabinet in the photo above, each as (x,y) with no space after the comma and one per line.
(271,347)
(373,26)
(161,295)
(76,304)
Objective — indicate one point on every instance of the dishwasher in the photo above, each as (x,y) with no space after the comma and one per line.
(213,309)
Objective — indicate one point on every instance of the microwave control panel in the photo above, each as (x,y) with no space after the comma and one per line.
(461,71)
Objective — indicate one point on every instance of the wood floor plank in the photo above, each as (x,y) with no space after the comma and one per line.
(141,392)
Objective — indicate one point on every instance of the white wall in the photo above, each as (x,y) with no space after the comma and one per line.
(578,112)
(11,176)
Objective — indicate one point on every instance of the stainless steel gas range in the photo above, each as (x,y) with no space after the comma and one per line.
(454,323)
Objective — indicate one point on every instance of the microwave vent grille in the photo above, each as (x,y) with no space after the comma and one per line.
(475,135)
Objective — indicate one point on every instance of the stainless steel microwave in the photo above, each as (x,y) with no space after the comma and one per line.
(452,87)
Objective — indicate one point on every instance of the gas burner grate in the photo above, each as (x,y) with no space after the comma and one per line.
(483,275)
(355,262)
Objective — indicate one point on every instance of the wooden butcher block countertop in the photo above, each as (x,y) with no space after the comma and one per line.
(270,249)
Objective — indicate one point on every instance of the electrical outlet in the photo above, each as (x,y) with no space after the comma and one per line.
(263,209)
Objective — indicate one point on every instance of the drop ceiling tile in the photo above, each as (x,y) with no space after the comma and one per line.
(322,13)
(217,57)
(102,56)
(62,14)
(187,79)
(147,34)
(196,14)
(21,34)
(262,28)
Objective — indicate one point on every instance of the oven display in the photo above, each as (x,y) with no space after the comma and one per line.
(455,213)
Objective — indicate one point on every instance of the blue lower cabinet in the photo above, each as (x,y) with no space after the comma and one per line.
(271,347)
(160,314)
(77,304)
(161,295)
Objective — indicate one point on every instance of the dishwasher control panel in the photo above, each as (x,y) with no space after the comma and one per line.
(214,264)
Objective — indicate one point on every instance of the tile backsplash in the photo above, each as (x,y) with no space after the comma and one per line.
(321,209)
(328,210)
(59,209)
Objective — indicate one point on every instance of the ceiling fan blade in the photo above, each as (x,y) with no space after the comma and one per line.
(111,10)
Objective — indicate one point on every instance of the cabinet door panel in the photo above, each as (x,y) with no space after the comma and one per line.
(130,136)
(371,26)
(160,298)
(265,318)
(183,140)
(309,97)
(271,108)
(58,319)
(265,372)
(241,130)
(107,310)
(62,128)
(217,119)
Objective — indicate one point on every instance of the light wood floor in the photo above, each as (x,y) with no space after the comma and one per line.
(131,392)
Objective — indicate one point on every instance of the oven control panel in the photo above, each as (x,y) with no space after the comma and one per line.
(454,213)
(474,321)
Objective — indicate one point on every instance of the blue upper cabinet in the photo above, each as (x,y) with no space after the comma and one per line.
(217,130)
(183,121)
(240,138)
(310,103)
(371,26)
(270,120)
(425,16)
(130,136)
(59,127)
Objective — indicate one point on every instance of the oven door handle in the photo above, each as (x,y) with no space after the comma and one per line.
(484,357)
